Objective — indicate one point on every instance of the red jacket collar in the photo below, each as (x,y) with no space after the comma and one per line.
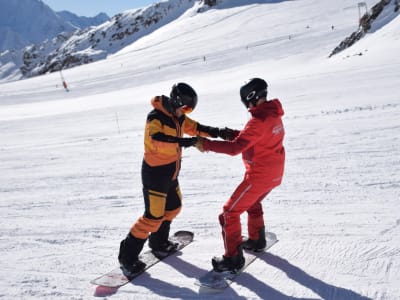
(269,108)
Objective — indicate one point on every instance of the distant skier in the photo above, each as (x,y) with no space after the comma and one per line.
(261,145)
(163,139)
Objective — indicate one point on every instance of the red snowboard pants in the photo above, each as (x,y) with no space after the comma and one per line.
(247,197)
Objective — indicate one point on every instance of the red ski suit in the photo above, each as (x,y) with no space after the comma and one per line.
(261,145)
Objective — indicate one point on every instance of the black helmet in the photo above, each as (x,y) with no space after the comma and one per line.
(253,90)
(183,96)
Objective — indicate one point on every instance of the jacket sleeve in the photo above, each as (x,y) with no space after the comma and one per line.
(246,138)
(161,137)
(194,128)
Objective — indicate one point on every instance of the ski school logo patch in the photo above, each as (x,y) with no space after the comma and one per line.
(277,130)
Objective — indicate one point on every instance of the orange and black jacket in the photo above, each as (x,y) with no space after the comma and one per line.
(163,130)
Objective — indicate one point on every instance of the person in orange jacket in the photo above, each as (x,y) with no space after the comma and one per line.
(163,142)
(261,145)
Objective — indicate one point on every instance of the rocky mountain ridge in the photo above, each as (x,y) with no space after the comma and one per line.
(370,22)
(67,50)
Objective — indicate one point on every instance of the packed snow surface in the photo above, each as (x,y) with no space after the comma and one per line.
(70,182)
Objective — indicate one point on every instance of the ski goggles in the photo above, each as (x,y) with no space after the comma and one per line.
(177,104)
(253,97)
(186,109)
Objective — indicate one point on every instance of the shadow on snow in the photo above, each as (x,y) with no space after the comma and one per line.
(168,290)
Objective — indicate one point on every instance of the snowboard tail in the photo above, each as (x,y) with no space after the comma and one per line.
(117,277)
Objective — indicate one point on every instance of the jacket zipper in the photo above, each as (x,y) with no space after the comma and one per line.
(179,150)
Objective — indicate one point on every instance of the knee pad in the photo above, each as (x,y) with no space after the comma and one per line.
(169,215)
(144,226)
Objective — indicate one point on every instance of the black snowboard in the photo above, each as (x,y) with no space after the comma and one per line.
(116,277)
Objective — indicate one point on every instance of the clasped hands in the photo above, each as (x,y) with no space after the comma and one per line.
(224,133)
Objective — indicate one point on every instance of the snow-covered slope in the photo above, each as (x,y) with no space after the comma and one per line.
(91,44)
(70,174)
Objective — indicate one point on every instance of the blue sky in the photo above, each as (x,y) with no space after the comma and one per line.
(90,8)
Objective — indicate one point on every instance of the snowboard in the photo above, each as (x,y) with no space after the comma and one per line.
(221,280)
(116,277)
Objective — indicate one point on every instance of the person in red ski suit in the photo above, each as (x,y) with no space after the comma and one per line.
(261,145)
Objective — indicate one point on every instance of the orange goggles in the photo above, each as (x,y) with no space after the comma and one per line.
(186,109)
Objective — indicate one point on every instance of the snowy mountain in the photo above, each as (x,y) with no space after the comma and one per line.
(83,22)
(44,23)
(20,40)
(70,183)
(91,44)
(16,32)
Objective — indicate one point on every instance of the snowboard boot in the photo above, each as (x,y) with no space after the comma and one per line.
(232,264)
(159,243)
(128,256)
(256,245)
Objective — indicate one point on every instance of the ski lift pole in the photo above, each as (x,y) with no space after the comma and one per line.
(117,120)
(360,5)
(64,83)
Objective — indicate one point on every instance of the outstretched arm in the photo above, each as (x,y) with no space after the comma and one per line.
(244,140)
(194,128)
(183,142)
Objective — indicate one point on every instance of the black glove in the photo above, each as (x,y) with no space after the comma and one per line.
(187,142)
(215,132)
(226,133)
